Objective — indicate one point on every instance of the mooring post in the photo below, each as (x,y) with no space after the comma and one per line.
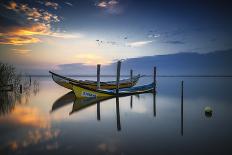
(182,108)
(131,76)
(98,87)
(98,75)
(30,80)
(21,89)
(154,79)
(118,76)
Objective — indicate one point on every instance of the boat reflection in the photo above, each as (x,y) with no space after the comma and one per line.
(82,103)
(63,100)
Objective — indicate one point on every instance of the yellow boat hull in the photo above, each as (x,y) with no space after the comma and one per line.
(65,82)
(82,92)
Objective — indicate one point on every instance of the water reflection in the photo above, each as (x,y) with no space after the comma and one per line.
(63,101)
(98,111)
(119,125)
(9,99)
(17,115)
(118,114)
(83,103)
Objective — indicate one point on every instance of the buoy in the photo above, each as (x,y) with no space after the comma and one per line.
(208,111)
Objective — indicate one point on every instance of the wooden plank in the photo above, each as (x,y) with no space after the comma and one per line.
(6,87)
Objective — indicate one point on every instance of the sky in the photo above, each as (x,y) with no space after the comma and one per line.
(36,34)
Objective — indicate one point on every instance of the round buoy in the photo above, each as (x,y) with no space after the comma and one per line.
(208,111)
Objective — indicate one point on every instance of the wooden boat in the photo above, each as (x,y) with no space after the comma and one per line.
(83,91)
(65,82)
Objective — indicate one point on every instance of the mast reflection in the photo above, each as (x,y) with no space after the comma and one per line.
(118,114)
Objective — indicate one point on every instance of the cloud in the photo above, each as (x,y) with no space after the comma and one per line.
(174,42)
(12,5)
(29,24)
(34,14)
(91,59)
(21,51)
(138,43)
(18,40)
(49,4)
(28,35)
(68,3)
(153,36)
(111,6)
(52,4)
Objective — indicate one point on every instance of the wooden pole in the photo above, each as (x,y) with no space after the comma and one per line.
(118,76)
(98,75)
(182,107)
(21,89)
(118,114)
(30,80)
(154,79)
(131,76)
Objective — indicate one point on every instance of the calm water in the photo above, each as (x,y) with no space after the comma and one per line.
(46,120)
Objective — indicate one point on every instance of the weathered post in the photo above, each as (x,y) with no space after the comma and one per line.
(98,75)
(118,76)
(154,79)
(131,76)
(30,80)
(21,89)
(182,107)
(98,87)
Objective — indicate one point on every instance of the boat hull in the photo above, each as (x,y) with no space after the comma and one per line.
(65,82)
(82,91)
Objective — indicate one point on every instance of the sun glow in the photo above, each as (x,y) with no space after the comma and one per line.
(91,59)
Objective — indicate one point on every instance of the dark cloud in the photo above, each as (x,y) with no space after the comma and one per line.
(174,42)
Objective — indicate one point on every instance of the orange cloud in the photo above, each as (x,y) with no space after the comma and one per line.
(12,5)
(28,35)
(28,116)
(91,59)
(18,40)
(39,25)
(21,51)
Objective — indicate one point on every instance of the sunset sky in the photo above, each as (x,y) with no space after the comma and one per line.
(36,34)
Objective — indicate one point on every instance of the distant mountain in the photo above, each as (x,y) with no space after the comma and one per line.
(218,62)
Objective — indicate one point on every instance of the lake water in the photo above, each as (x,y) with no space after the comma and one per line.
(45,120)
